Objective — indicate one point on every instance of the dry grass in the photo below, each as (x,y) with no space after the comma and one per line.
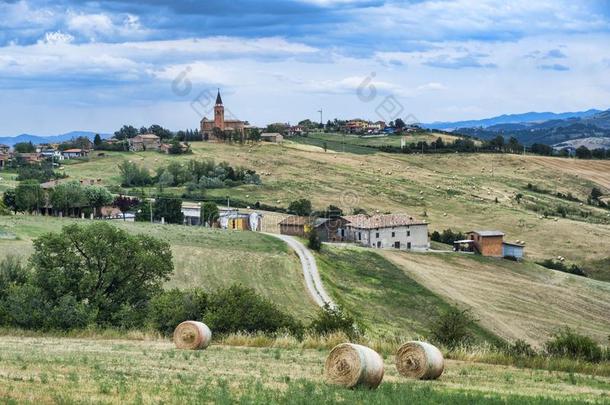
(49,370)
(454,190)
(513,300)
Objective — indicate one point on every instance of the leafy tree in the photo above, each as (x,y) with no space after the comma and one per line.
(596,193)
(24,147)
(10,200)
(300,207)
(359,211)
(254,135)
(314,242)
(126,132)
(170,209)
(29,196)
(209,213)
(452,327)
(241,309)
(97,140)
(399,124)
(170,308)
(513,145)
(69,197)
(132,175)
(583,152)
(97,197)
(325,146)
(100,267)
(333,212)
(334,319)
(124,203)
(567,343)
(161,132)
(143,211)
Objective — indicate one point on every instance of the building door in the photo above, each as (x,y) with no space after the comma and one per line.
(409,245)
(378,244)
(397,245)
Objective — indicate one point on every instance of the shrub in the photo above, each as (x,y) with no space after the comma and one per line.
(334,319)
(567,343)
(452,327)
(172,307)
(300,207)
(241,309)
(520,348)
(314,242)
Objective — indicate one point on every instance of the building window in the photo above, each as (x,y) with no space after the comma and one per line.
(393,234)
(377,235)
(408,233)
(359,235)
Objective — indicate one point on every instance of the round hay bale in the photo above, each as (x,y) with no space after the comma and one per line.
(191,335)
(351,365)
(420,360)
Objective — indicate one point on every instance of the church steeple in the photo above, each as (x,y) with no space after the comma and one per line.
(218,99)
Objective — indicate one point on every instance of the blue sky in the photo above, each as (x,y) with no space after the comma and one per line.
(91,65)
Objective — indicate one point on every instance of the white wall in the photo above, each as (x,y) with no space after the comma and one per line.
(417,235)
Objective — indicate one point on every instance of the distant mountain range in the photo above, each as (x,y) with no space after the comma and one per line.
(36,139)
(550,132)
(510,119)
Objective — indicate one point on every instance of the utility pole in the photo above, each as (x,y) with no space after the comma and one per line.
(151,210)
(321,118)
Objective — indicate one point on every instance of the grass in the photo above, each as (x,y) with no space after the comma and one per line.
(45,370)
(379,294)
(455,191)
(204,258)
(513,300)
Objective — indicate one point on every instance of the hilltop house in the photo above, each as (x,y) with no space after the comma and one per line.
(74,153)
(399,231)
(273,137)
(4,149)
(144,142)
(3,160)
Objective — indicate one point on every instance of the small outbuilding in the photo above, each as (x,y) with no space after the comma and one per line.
(513,250)
(273,137)
(296,226)
(487,243)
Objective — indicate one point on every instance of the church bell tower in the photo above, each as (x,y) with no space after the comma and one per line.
(219,113)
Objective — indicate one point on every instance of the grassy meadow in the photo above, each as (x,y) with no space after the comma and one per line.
(457,191)
(206,258)
(53,370)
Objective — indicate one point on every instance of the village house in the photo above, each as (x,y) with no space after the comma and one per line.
(328,229)
(144,142)
(273,137)
(227,219)
(296,130)
(356,126)
(4,149)
(296,226)
(28,158)
(51,154)
(166,147)
(219,123)
(399,231)
(3,160)
(74,153)
(492,244)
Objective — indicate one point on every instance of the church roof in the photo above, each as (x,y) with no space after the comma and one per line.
(218,99)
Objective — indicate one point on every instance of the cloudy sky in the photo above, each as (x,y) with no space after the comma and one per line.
(94,65)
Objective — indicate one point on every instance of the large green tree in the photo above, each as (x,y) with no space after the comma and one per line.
(29,196)
(101,268)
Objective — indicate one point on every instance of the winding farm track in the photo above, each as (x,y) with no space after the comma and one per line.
(310,270)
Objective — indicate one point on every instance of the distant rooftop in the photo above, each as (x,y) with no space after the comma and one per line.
(382,221)
(489,233)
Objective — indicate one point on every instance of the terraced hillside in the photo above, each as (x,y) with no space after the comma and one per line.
(513,300)
(457,191)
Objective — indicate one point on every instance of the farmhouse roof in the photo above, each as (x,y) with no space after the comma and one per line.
(147,136)
(381,221)
(488,233)
(73,151)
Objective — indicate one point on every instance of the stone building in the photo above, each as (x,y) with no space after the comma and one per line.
(220,123)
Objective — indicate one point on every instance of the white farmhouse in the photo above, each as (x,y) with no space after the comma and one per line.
(399,231)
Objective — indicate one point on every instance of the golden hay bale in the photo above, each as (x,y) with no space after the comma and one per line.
(352,365)
(420,360)
(191,335)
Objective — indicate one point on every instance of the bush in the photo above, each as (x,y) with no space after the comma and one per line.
(314,242)
(520,348)
(452,327)
(168,309)
(329,320)
(241,309)
(567,343)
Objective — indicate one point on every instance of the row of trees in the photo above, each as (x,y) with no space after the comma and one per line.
(70,198)
(194,174)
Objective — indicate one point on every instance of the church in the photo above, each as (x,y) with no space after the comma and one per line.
(208,126)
